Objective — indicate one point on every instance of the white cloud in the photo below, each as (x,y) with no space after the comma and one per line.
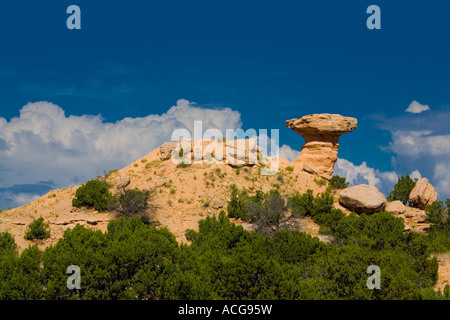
(388,176)
(419,143)
(24,198)
(288,153)
(415,175)
(416,107)
(356,174)
(424,151)
(441,175)
(43,144)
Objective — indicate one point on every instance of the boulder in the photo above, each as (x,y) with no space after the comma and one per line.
(217,204)
(423,194)
(362,199)
(161,183)
(92,221)
(183,151)
(123,182)
(241,152)
(165,151)
(321,133)
(396,207)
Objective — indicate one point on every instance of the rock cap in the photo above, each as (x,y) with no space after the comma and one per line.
(323,123)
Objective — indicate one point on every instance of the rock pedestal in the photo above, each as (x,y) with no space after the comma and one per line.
(321,133)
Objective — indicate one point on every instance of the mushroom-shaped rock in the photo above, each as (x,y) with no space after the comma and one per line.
(423,194)
(362,199)
(321,133)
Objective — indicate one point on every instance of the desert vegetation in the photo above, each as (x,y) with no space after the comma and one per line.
(94,194)
(37,230)
(136,260)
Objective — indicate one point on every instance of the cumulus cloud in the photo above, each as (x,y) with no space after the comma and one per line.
(288,153)
(355,174)
(425,151)
(422,142)
(416,107)
(415,175)
(44,144)
(419,143)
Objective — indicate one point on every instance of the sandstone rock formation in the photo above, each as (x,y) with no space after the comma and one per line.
(237,153)
(242,152)
(161,183)
(123,182)
(423,194)
(310,169)
(396,207)
(362,199)
(321,133)
(165,151)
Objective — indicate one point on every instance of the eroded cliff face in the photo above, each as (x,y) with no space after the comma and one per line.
(321,133)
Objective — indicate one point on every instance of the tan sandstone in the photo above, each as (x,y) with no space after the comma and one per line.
(396,207)
(362,199)
(321,133)
(423,194)
(237,153)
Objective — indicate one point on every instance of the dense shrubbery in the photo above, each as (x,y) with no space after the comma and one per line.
(402,189)
(93,194)
(20,276)
(437,214)
(134,260)
(320,208)
(439,232)
(37,229)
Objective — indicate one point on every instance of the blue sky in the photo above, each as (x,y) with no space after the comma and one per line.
(268,61)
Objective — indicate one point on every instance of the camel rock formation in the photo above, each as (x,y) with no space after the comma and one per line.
(321,133)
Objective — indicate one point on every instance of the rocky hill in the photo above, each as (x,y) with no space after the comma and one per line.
(183,195)
(186,193)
